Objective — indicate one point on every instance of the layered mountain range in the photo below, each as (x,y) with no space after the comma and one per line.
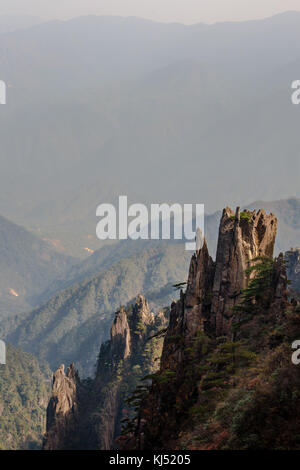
(103,106)
(28,265)
(74,131)
(73,323)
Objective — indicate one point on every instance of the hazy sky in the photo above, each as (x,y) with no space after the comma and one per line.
(184,11)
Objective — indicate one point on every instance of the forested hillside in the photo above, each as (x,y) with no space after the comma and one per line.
(25,386)
(73,323)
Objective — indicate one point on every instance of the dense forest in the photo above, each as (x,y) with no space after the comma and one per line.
(25,386)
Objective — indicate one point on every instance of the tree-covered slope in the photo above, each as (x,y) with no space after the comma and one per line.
(24,392)
(73,323)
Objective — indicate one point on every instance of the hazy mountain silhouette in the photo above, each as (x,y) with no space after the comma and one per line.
(14,22)
(27,266)
(188,113)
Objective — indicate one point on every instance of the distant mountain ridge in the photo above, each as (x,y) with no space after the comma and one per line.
(27,266)
(14,22)
(151,100)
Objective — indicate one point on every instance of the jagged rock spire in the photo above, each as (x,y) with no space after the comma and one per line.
(141,314)
(120,335)
(214,288)
(62,410)
(73,418)
(125,328)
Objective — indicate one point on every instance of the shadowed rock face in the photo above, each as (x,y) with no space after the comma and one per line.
(62,411)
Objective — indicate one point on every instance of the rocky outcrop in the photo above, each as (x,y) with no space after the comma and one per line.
(124,351)
(141,314)
(62,411)
(120,336)
(242,238)
(88,414)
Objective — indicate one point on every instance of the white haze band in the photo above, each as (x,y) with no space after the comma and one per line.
(2,92)
(166,221)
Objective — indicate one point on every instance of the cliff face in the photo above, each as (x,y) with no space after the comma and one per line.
(223,335)
(88,414)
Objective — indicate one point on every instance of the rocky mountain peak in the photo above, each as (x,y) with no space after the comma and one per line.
(141,314)
(214,288)
(62,410)
(223,309)
(120,335)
